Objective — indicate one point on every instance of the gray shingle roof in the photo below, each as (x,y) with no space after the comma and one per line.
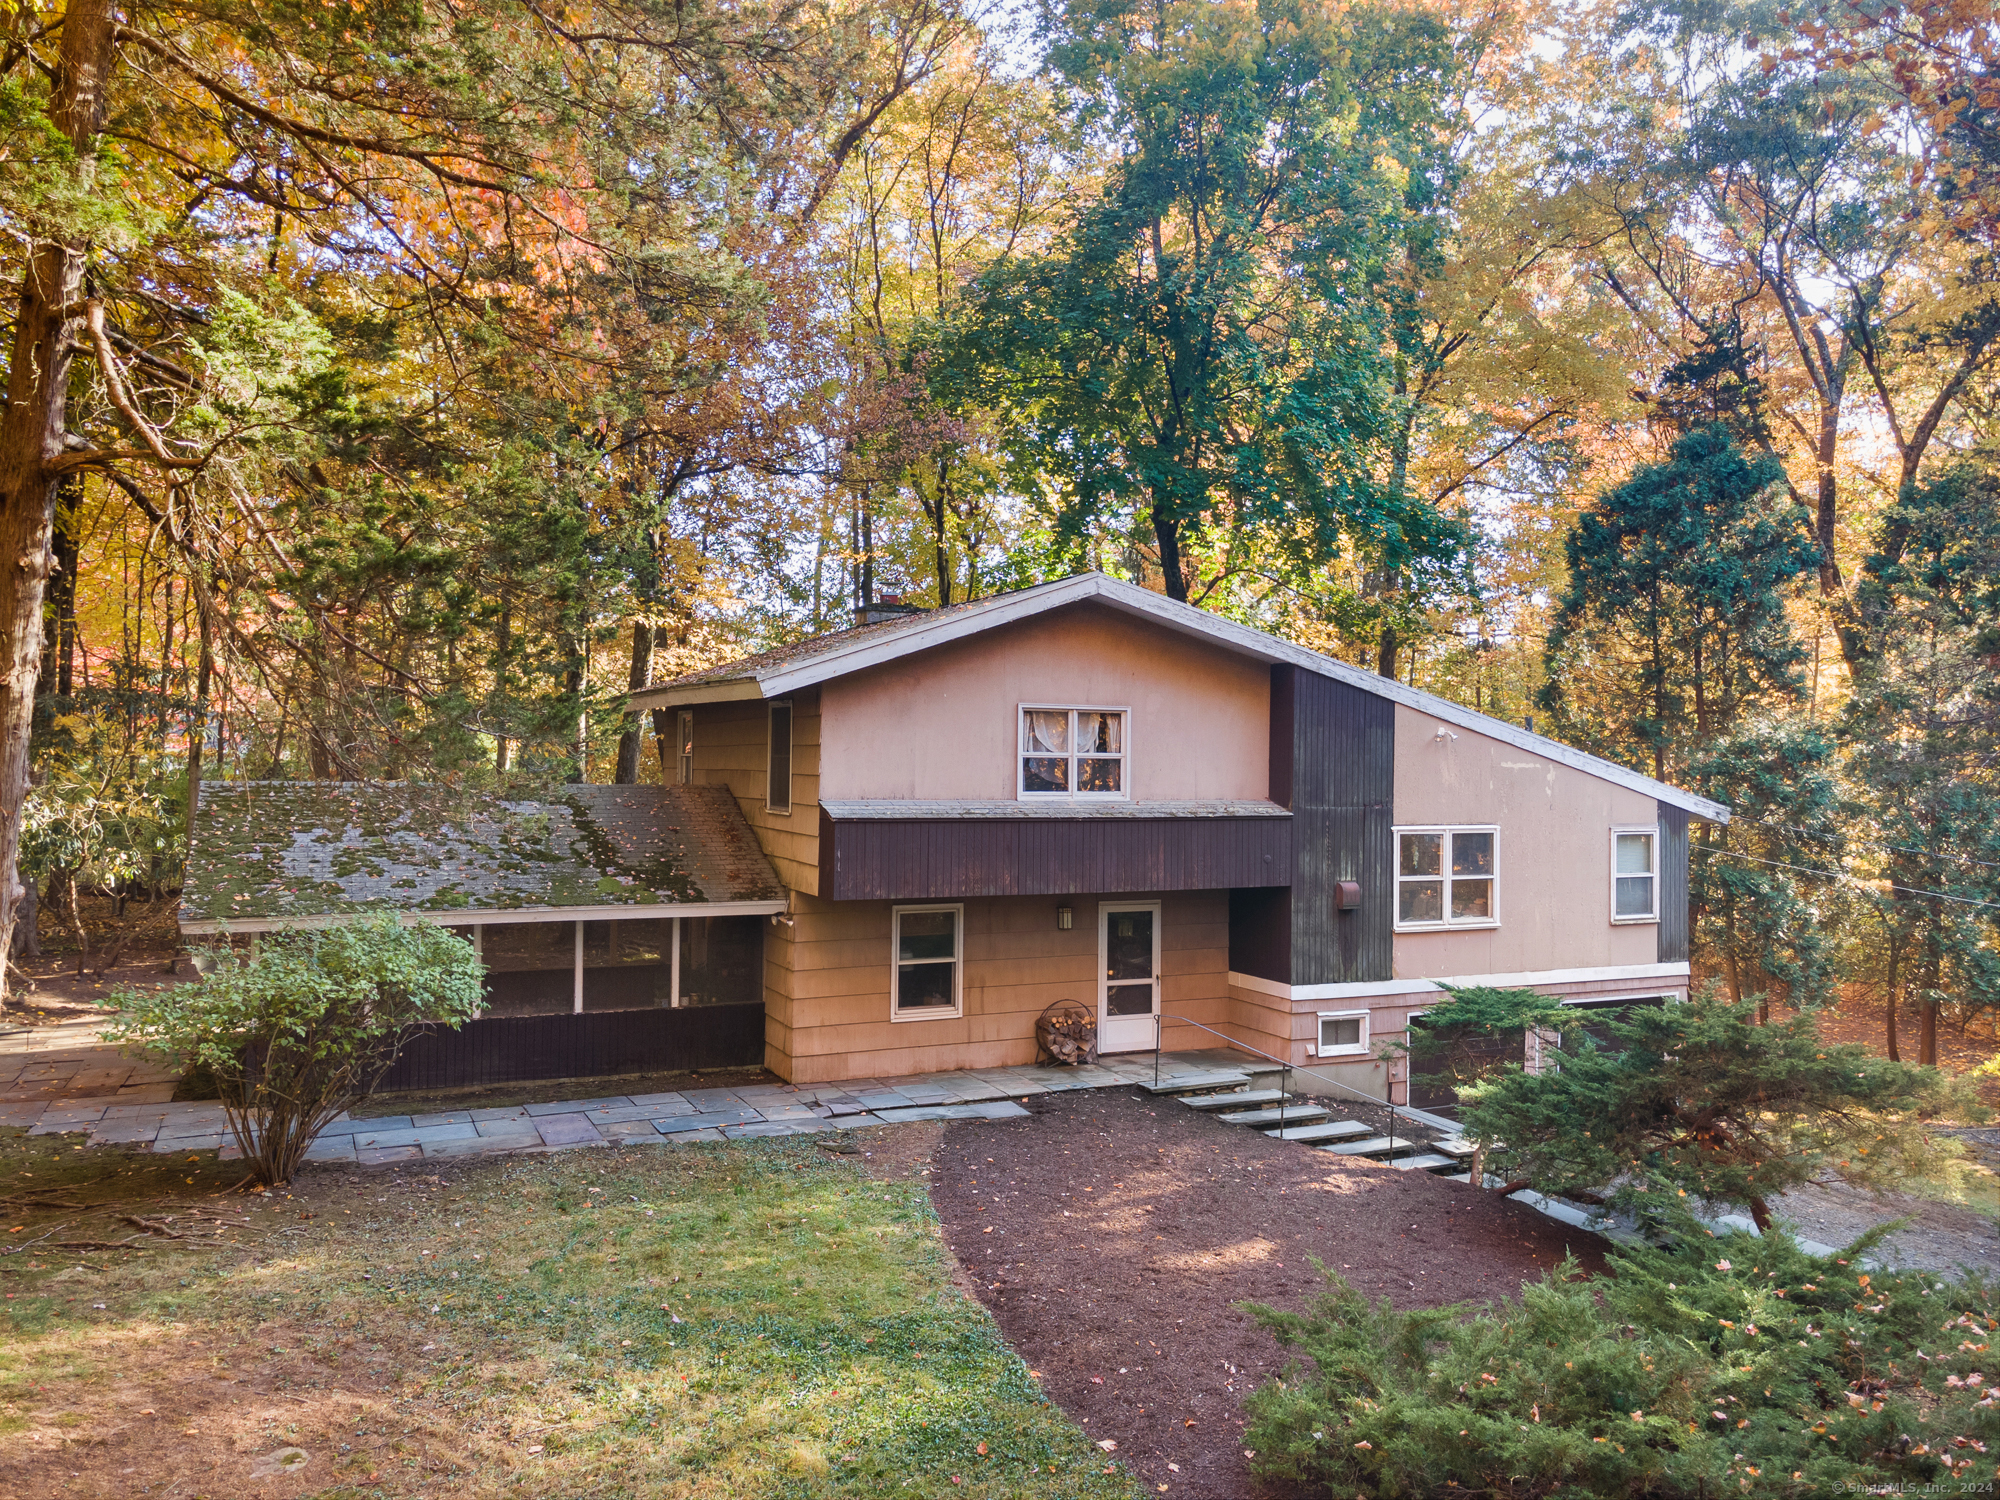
(268,851)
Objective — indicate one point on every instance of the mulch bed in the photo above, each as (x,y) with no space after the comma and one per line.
(1113,1235)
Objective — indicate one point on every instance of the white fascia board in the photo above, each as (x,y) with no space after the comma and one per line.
(1387,989)
(486,916)
(1004,609)
(1271,648)
(724,690)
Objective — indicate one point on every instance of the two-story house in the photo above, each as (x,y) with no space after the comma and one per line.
(1086,791)
(889,849)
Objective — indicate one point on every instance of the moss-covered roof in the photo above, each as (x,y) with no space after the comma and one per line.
(277,850)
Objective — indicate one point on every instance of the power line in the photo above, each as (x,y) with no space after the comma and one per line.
(1830,838)
(1904,890)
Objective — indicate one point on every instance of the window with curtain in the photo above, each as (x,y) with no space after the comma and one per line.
(1073,752)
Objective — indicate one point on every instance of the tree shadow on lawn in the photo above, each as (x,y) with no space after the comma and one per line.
(753,1318)
(1114,1236)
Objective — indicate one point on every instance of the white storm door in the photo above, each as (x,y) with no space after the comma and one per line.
(1128,963)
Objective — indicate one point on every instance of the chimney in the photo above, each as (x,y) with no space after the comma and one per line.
(888,607)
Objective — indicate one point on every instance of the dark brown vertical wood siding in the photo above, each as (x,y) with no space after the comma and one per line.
(1673,930)
(924,859)
(1343,789)
(1333,763)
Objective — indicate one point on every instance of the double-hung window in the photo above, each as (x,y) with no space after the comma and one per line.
(1073,752)
(929,973)
(1635,876)
(1447,877)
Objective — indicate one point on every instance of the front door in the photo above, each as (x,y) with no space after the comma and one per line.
(1128,999)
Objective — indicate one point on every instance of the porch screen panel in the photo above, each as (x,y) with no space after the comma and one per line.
(627,965)
(530,968)
(722,960)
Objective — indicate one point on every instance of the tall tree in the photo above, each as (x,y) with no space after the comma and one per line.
(1921,734)
(1672,650)
(1672,631)
(1198,356)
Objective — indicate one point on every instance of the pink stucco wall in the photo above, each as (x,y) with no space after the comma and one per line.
(942,725)
(1555,824)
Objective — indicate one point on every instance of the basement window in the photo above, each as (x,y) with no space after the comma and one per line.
(1447,877)
(1343,1033)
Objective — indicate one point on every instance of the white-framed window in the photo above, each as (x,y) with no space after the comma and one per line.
(1447,877)
(927,976)
(1074,752)
(778,790)
(1635,875)
(1343,1033)
(684,745)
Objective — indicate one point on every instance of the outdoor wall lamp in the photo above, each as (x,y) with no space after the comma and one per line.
(1443,734)
(1065,918)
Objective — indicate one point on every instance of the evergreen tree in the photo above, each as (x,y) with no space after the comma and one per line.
(1921,746)
(1672,652)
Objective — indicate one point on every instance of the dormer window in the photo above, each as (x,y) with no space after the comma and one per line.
(1073,752)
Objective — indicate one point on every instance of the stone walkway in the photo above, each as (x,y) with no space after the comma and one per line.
(91,1089)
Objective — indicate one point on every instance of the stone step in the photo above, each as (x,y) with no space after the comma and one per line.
(1430,1161)
(1284,1114)
(1453,1145)
(1192,1083)
(1239,1099)
(1335,1130)
(1378,1145)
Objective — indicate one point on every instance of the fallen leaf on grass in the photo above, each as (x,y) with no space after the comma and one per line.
(1109,1445)
(981,1450)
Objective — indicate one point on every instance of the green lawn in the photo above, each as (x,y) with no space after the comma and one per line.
(743,1319)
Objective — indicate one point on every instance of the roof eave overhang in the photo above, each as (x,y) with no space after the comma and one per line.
(724,690)
(482,917)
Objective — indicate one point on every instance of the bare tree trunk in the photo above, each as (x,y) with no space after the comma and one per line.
(59,637)
(506,646)
(641,677)
(47,328)
(27,924)
(1889,1010)
(1168,534)
(198,721)
(1928,1005)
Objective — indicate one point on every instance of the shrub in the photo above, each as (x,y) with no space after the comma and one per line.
(305,1025)
(1705,1100)
(1725,1365)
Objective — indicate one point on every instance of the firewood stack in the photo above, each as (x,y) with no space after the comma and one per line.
(1067,1034)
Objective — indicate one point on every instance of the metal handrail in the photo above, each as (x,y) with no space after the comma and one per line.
(1159,1028)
